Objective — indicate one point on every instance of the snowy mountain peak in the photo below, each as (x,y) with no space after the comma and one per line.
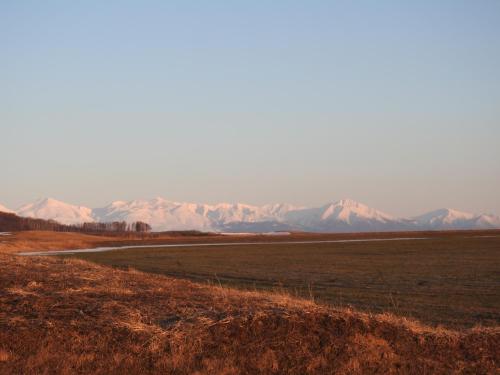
(348,209)
(50,208)
(346,202)
(487,220)
(159,201)
(447,218)
(445,215)
(5,209)
(117,203)
(44,201)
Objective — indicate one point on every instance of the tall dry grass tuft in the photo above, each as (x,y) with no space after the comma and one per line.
(4,355)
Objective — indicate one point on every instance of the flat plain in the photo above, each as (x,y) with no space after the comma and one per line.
(446,279)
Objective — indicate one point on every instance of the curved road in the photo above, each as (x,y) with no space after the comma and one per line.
(102,249)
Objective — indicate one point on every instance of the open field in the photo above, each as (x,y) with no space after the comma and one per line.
(454,281)
(67,316)
(47,240)
(70,316)
(13,242)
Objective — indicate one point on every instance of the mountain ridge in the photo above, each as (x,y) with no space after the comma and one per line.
(345,215)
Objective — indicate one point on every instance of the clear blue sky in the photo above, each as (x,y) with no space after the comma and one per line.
(392,103)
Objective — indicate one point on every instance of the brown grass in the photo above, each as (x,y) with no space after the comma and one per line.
(36,240)
(45,240)
(440,281)
(69,316)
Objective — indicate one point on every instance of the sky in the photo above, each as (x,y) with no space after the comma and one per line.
(395,104)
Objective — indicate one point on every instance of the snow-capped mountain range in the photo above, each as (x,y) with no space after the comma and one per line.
(344,215)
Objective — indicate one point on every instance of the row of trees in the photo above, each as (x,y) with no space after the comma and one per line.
(115,226)
(11,222)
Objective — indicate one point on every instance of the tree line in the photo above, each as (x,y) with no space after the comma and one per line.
(11,223)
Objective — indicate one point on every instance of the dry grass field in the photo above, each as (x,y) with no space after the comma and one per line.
(451,281)
(70,316)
